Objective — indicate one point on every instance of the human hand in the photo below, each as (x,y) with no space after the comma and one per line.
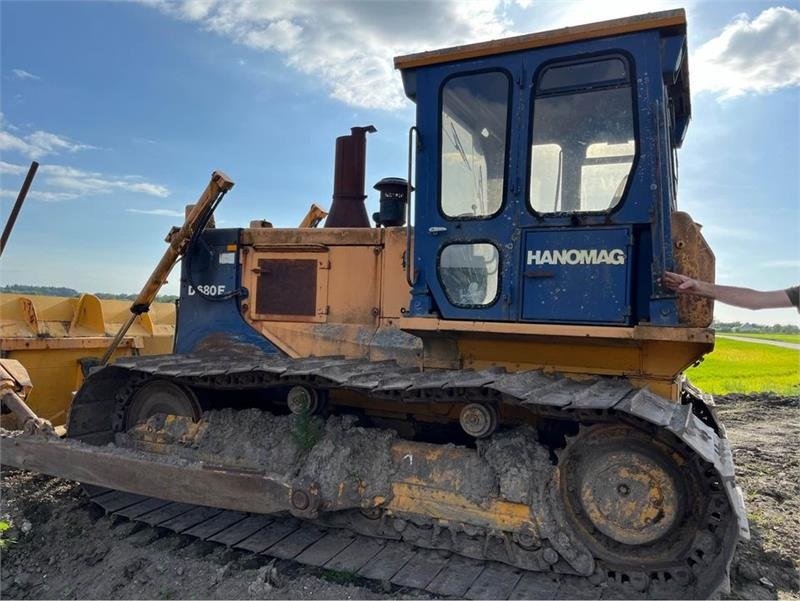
(680,283)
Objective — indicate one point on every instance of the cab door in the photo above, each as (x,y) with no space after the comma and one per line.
(576,229)
(464,252)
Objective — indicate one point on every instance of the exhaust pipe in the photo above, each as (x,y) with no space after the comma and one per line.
(348,208)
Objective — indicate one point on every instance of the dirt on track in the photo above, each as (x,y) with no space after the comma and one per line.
(65,548)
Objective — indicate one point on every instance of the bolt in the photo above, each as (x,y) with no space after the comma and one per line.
(550,556)
(300,500)
(623,490)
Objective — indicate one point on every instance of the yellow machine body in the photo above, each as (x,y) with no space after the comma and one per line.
(360,294)
(51,335)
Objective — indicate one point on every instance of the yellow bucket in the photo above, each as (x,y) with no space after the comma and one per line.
(50,335)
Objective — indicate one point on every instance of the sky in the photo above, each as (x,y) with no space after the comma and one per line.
(129,107)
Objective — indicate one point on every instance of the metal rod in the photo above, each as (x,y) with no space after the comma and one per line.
(178,242)
(27,419)
(23,192)
(410,275)
(118,339)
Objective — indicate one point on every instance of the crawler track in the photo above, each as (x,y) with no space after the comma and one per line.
(423,558)
(398,562)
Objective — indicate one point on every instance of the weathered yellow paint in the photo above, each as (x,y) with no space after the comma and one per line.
(647,355)
(304,339)
(366,290)
(437,503)
(395,293)
(49,335)
(365,287)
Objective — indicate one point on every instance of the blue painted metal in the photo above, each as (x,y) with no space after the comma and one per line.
(209,310)
(657,63)
(553,262)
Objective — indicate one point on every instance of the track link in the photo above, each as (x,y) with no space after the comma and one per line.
(96,417)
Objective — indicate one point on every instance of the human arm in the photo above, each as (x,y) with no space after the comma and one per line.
(730,295)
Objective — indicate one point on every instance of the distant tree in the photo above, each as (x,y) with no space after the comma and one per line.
(72,293)
(39,290)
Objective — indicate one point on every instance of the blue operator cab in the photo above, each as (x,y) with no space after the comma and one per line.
(546,174)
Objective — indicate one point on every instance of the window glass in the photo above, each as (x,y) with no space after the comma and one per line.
(474,115)
(583,142)
(582,74)
(468,273)
(546,178)
(605,178)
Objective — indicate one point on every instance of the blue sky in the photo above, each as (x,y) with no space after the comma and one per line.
(130,106)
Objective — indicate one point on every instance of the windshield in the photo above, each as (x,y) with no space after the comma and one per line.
(583,142)
(473,134)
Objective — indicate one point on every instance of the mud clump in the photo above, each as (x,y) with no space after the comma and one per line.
(518,460)
(250,438)
(358,457)
(245,439)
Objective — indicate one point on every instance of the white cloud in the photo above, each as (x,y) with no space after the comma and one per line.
(23,74)
(161,212)
(65,183)
(789,263)
(348,44)
(39,144)
(5,124)
(750,56)
(11,169)
(568,13)
(41,195)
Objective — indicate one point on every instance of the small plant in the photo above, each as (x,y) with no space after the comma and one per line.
(339,577)
(5,542)
(306,432)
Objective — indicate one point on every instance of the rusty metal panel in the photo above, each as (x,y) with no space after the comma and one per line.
(694,258)
(287,287)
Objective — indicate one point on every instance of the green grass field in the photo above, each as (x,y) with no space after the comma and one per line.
(795,338)
(737,366)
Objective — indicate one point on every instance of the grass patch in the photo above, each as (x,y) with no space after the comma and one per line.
(340,576)
(5,542)
(306,431)
(794,338)
(737,366)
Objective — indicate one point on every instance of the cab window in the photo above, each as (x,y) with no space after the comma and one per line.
(473,144)
(583,142)
(469,273)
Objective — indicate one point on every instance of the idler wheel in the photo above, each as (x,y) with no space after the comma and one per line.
(631,497)
(161,396)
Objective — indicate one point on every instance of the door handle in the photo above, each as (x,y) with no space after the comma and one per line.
(433,231)
(539,274)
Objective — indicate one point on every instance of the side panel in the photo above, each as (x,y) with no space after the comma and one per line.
(209,312)
(577,275)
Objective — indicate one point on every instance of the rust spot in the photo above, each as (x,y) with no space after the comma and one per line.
(287,287)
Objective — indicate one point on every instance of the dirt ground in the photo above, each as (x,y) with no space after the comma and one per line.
(64,548)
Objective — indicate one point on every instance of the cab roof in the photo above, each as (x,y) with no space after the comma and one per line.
(672,20)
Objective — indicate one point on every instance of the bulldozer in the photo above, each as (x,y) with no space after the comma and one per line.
(482,394)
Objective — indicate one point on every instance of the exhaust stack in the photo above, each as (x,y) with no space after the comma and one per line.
(347,208)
